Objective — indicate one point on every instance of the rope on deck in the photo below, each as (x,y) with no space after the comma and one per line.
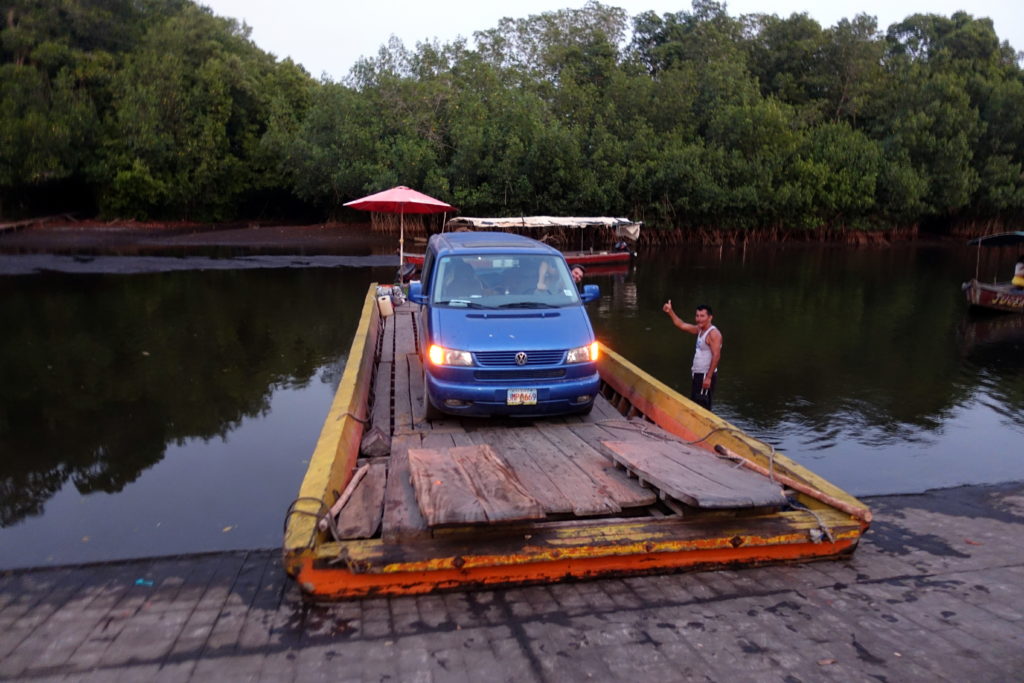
(323,511)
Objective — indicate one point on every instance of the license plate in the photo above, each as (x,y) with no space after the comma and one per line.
(522,397)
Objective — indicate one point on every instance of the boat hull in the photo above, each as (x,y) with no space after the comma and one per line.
(995,297)
(596,258)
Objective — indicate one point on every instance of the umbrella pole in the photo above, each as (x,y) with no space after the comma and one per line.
(401,239)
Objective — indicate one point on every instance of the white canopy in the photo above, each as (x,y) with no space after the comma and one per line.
(623,226)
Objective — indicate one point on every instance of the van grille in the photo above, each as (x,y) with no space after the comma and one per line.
(516,375)
(508,358)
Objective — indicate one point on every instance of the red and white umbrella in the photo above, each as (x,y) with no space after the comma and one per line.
(400,200)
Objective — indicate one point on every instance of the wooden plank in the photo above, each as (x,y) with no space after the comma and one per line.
(408,307)
(444,494)
(405,336)
(502,495)
(586,496)
(402,519)
(632,430)
(603,410)
(461,438)
(387,347)
(361,516)
(381,415)
(439,440)
(695,477)
(449,424)
(403,402)
(600,468)
(404,343)
(530,473)
(595,435)
(419,420)
(469,485)
(377,438)
(644,432)
(345,496)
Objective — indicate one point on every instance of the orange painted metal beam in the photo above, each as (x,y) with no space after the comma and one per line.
(319,580)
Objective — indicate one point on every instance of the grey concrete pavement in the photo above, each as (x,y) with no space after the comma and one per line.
(933,593)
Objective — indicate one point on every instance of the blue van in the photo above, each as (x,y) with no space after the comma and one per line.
(502,328)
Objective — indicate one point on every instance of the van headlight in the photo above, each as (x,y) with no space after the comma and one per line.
(442,356)
(582,354)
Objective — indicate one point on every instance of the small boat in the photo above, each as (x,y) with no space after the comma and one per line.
(995,296)
(614,268)
(623,230)
(598,258)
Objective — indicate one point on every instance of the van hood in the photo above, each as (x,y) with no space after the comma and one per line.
(519,330)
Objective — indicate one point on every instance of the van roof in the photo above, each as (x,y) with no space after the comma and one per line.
(461,242)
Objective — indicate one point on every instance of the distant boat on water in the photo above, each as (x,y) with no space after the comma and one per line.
(995,296)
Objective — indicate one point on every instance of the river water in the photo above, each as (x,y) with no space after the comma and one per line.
(150,409)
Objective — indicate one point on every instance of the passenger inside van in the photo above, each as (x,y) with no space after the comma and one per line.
(460,282)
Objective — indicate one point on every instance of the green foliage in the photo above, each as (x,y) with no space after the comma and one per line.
(189,106)
(691,119)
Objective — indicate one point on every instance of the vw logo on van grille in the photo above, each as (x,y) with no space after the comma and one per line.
(521,358)
(493,359)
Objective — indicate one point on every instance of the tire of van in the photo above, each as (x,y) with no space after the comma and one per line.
(430,413)
(586,411)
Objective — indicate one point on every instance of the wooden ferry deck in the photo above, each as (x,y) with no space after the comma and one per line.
(458,502)
(563,463)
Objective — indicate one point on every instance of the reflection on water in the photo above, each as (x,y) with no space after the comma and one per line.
(992,347)
(131,404)
(176,412)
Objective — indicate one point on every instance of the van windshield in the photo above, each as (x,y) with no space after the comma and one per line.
(503,281)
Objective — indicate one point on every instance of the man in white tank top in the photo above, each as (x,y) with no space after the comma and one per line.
(704,371)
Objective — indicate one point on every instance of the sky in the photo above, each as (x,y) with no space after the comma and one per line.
(328,36)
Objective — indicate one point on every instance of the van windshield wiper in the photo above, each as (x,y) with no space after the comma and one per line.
(462,302)
(528,304)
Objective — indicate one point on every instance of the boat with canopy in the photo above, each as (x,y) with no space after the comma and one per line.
(995,296)
(623,233)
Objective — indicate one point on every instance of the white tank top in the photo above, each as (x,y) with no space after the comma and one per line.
(702,355)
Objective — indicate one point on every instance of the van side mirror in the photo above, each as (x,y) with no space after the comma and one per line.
(416,294)
(590,293)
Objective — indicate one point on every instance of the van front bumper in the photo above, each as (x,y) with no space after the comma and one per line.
(491,398)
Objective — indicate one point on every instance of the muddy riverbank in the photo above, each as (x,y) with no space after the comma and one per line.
(67,237)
